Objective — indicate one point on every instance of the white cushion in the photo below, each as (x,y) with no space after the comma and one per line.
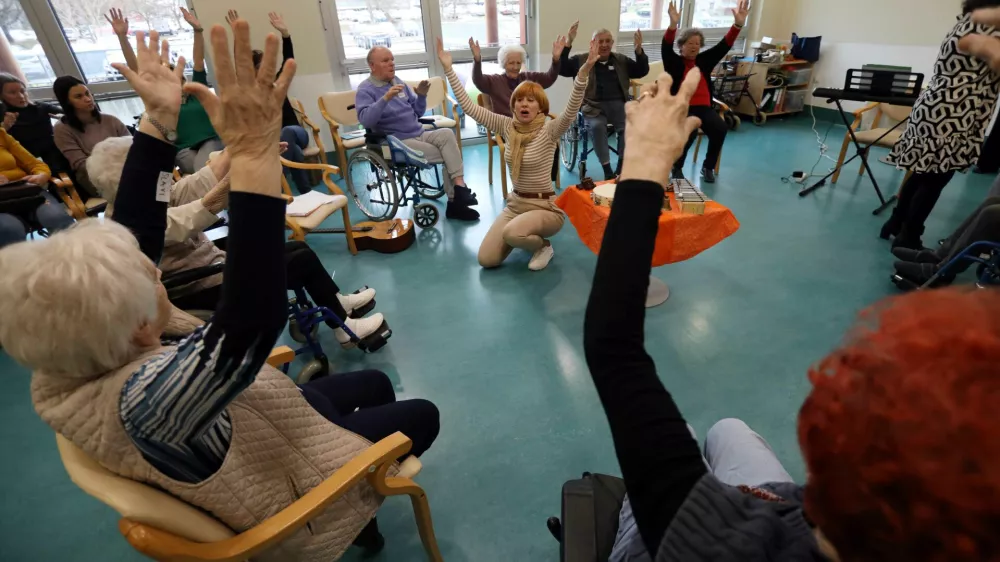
(310,151)
(314,219)
(868,137)
(94,202)
(440,122)
(354,143)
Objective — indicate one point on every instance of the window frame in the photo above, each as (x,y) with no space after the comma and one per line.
(712,34)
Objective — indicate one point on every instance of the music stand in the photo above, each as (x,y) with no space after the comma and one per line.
(865,85)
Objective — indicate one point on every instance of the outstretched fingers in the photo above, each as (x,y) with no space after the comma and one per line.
(269,64)
(222,61)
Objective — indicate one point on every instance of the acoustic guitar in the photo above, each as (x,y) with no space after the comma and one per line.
(386,237)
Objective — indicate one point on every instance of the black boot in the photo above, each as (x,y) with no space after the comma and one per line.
(370,539)
(909,238)
(677,173)
(923,255)
(465,196)
(708,174)
(892,226)
(608,172)
(456,210)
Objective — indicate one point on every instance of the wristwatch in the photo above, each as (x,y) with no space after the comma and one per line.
(168,134)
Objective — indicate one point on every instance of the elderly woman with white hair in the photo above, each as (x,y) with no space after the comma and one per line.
(85,310)
(499,87)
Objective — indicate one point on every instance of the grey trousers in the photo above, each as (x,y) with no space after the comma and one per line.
(440,146)
(190,160)
(614,113)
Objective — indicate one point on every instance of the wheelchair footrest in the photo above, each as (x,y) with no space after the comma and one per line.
(377,340)
(360,312)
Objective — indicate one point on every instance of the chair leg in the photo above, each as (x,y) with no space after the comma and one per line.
(343,163)
(503,174)
(697,147)
(864,158)
(840,161)
(425,525)
(489,148)
(458,134)
(718,163)
(349,231)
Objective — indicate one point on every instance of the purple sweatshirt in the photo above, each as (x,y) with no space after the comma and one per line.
(396,117)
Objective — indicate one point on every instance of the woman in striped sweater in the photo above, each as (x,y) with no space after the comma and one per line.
(530,216)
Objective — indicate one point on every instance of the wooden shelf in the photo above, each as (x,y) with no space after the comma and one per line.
(790,62)
(777,113)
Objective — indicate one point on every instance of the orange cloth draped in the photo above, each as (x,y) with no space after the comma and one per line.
(681,236)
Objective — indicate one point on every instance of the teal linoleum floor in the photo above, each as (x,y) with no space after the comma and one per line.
(500,353)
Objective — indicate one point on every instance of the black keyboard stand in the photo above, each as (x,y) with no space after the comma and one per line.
(862,152)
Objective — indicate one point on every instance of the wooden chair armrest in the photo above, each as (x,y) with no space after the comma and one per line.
(288,198)
(161,545)
(720,105)
(280,355)
(454,107)
(67,192)
(859,114)
(328,171)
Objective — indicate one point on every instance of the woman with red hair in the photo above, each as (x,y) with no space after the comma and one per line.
(530,217)
(899,432)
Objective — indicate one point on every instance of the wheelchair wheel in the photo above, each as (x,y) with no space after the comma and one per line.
(372,185)
(759,118)
(568,147)
(314,369)
(425,215)
(987,274)
(430,180)
(297,334)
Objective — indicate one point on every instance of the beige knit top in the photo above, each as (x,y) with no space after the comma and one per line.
(536,168)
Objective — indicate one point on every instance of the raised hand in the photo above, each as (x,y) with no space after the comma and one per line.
(740,12)
(572,32)
(394,91)
(477,53)
(191,19)
(423,87)
(637,40)
(157,85)
(443,55)
(9,119)
(558,46)
(119,23)
(278,23)
(231,17)
(674,13)
(657,127)
(246,112)
(592,57)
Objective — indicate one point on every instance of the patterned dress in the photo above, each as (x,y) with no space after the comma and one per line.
(949,121)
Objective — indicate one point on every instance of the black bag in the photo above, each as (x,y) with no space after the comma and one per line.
(18,190)
(806,48)
(20,198)
(590,508)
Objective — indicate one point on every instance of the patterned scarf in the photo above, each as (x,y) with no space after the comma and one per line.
(523,134)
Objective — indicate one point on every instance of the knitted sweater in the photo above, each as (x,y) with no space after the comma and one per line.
(536,167)
(499,87)
(683,513)
(16,162)
(398,116)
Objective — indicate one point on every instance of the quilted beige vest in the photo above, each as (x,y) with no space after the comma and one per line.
(281,448)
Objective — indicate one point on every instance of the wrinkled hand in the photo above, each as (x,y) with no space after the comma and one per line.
(558,46)
(592,57)
(571,35)
(740,12)
(191,18)
(443,55)
(477,54)
(674,13)
(423,87)
(246,112)
(393,92)
(637,40)
(657,127)
(278,23)
(37,179)
(157,85)
(231,17)
(217,198)
(119,24)
(282,147)
(984,47)
(9,119)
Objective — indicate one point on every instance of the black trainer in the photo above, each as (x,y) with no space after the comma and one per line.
(677,174)
(708,174)
(460,212)
(465,196)
(608,172)
(923,255)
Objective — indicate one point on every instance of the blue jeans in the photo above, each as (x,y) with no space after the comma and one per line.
(297,139)
(52,216)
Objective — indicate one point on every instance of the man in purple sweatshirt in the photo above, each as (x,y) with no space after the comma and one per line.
(387,105)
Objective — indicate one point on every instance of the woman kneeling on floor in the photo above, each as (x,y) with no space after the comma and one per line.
(85,309)
(530,217)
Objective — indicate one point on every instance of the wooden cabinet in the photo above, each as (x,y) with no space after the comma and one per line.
(786,99)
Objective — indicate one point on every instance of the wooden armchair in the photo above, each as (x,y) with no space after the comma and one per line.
(439,100)
(77,207)
(300,226)
(333,106)
(868,138)
(655,69)
(493,139)
(722,109)
(315,153)
(165,528)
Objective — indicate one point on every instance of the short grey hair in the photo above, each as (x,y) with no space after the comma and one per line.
(105,165)
(508,50)
(71,304)
(602,31)
(687,34)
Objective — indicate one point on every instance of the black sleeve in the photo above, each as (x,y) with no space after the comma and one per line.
(286,52)
(568,66)
(639,67)
(136,206)
(51,108)
(714,56)
(659,459)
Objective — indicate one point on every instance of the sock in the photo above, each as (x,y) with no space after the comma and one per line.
(607,169)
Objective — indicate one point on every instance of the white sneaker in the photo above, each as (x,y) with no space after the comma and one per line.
(541,258)
(355,301)
(362,327)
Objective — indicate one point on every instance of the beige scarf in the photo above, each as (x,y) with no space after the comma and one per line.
(519,140)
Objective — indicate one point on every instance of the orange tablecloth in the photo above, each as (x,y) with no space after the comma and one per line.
(681,236)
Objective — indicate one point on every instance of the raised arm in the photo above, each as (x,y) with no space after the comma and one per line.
(659,460)
(547,79)
(555,129)
(740,13)
(568,66)
(640,66)
(119,24)
(287,50)
(198,53)
(487,118)
(667,46)
(418,98)
(477,67)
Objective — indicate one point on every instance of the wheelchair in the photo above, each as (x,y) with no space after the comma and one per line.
(986,254)
(304,320)
(386,174)
(570,148)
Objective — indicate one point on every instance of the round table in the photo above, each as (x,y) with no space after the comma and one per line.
(680,236)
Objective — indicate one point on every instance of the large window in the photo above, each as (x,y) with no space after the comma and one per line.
(397,24)
(713,17)
(25,47)
(491,25)
(713,13)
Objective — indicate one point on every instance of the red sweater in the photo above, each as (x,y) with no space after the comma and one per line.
(701,96)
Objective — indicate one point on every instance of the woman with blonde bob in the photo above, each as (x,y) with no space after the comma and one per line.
(530,217)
